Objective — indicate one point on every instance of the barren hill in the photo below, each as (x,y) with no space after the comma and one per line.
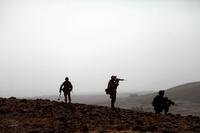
(186,92)
(186,97)
(189,92)
(32,116)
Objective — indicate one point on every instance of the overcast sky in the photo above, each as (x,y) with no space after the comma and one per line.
(152,44)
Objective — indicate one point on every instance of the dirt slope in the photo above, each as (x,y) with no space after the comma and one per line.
(32,116)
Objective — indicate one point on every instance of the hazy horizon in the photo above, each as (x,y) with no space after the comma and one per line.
(152,44)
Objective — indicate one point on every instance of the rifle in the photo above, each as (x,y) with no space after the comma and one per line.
(59,97)
(117,80)
(175,104)
(121,79)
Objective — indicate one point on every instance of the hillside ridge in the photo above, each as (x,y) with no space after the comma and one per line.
(188,83)
(22,115)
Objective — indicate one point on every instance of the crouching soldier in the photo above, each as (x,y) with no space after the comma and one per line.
(66,87)
(158,102)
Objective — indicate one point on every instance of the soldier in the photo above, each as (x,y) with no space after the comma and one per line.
(158,102)
(112,89)
(66,87)
(167,103)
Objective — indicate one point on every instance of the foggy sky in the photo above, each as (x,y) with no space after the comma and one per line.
(152,44)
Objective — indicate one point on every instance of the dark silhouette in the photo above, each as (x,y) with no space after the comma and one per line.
(161,103)
(112,89)
(158,102)
(167,103)
(66,87)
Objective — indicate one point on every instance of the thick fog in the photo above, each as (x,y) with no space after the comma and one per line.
(152,44)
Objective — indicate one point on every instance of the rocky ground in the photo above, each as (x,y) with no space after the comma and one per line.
(33,116)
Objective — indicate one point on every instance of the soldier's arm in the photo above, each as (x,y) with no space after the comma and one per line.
(121,79)
(71,86)
(61,87)
(171,102)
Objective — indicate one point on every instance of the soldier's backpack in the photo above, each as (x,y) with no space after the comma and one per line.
(108,91)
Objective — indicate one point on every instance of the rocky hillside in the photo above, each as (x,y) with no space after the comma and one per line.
(33,116)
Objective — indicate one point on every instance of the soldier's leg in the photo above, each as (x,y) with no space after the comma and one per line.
(65,94)
(112,103)
(156,110)
(69,96)
(113,99)
(166,109)
(161,109)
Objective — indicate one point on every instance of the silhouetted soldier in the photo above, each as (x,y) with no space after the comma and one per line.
(66,87)
(167,103)
(112,89)
(158,102)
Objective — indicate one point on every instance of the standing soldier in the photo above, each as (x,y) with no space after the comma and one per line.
(66,87)
(112,89)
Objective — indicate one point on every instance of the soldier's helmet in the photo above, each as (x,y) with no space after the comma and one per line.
(113,77)
(66,78)
(161,92)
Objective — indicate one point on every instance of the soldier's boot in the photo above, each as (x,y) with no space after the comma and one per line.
(112,104)
(65,99)
(166,110)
